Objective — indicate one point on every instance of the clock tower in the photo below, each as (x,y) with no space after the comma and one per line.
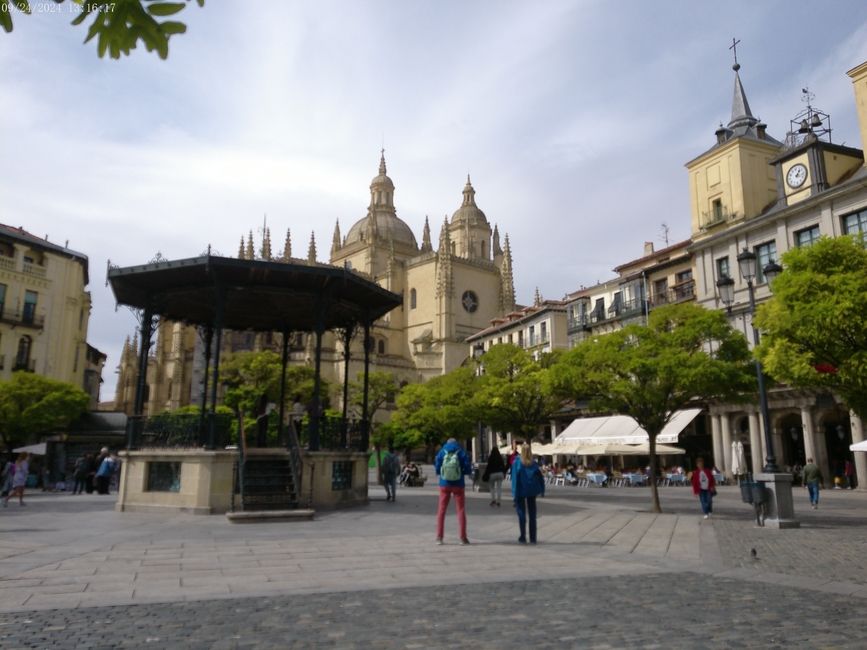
(811,163)
(734,179)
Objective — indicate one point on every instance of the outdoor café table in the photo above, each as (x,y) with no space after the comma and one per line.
(719,478)
(636,479)
(679,479)
(597,478)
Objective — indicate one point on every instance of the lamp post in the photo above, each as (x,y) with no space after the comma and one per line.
(747,265)
(478,351)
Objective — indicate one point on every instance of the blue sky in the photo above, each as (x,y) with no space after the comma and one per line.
(574,119)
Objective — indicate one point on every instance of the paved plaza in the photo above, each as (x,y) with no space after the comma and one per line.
(607,573)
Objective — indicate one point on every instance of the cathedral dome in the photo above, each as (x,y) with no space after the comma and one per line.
(387,226)
(469,212)
(381,222)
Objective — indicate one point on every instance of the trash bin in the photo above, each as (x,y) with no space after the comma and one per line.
(754,492)
(760,493)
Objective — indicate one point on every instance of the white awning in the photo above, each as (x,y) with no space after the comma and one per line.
(621,429)
(859,446)
(37,450)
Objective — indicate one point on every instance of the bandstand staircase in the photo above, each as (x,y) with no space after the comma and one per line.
(268,484)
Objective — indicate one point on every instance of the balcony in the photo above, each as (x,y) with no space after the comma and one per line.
(22,317)
(34,269)
(7,263)
(577,323)
(678,293)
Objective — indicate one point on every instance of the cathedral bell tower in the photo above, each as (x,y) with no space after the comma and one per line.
(469,229)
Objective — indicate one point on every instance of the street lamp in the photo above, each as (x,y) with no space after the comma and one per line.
(478,351)
(747,265)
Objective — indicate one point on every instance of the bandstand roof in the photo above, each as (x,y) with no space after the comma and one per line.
(258,295)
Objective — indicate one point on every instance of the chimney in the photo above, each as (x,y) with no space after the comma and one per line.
(648,248)
(761,130)
(858,75)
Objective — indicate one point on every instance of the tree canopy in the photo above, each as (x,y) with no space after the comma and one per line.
(684,355)
(117,25)
(430,413)
(815,325)
(513,395)
(31,404)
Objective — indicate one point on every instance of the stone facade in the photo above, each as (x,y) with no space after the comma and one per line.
(450,291)
(752,192)
(44,311)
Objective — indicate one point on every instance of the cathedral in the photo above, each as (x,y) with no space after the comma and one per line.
(450,291)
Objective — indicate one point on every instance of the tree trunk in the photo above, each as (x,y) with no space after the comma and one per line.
(654,471)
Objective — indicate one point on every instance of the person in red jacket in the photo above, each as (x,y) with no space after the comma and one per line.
(703,486)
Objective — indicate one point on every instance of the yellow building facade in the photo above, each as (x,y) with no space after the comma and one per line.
(44,311)
(451,289)
(752,192)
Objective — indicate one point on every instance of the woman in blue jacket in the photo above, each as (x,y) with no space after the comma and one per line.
(527,484)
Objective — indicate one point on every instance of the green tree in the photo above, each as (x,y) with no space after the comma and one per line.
(252,381)
(514,394)
(815,325)
(382,389)
(430,413)
(118,25)
(31,404)
(684,355)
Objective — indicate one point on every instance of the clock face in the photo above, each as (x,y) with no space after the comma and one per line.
(796,176)
(470,301)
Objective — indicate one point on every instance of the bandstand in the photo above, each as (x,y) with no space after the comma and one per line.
(186,464)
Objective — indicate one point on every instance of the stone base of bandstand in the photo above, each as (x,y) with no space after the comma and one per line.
(329,480)
(780,506)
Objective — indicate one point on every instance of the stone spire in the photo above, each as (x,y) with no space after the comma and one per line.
(266,244)
(445,283)
(382,170)
(311,250)
(134,348)
(741,113)
(251,254)
(469,194)
(497,249)
(287,247)
(426,246)
(335,239)
(507,287)
(241,254)
(537,298)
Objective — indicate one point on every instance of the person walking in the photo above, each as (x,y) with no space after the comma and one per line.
(103,474)
(6,479)
(79,473)
(703,486)
(812,478)
(495,472)
(19,479)
(390,470)
(849,474)
(527,484)
(451,465)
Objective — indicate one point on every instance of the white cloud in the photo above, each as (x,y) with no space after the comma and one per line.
(574,118)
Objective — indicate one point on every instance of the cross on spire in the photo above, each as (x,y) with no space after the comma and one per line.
(734,48)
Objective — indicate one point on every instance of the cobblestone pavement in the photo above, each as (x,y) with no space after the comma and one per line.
(607,574)
(670,611)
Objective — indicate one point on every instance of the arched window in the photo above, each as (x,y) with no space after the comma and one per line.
(22,358)
(380,346)
(412,299)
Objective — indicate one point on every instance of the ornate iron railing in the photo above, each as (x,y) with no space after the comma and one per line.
(178,431)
